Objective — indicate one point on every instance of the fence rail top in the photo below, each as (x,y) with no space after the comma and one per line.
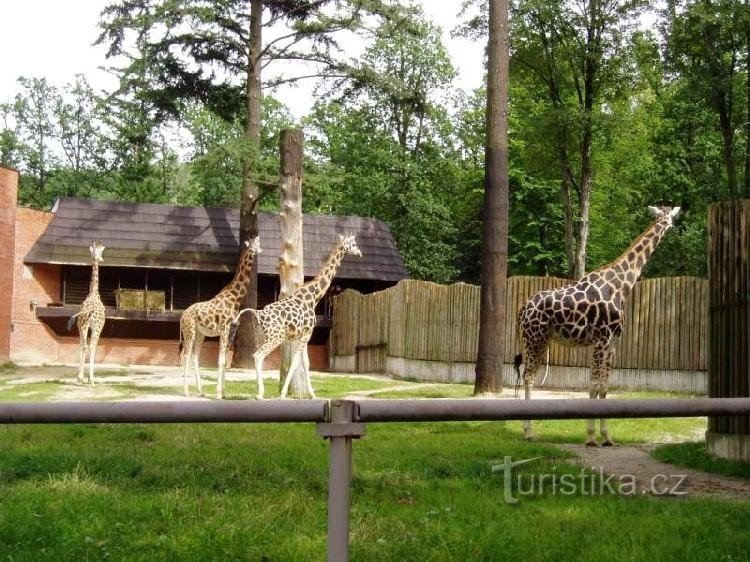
(472,409)
(226,411)
(477,409)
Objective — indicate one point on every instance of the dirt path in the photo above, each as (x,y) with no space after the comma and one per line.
(633,463)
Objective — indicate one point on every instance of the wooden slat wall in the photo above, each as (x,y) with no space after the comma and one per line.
(665,323)
(729,310)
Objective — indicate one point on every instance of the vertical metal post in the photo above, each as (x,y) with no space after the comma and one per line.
(340,431)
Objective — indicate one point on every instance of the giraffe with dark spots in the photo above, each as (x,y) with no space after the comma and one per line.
(293,318)
(90,318)
(587,312)
(213,318)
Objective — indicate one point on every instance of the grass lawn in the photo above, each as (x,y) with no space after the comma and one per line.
(258,492)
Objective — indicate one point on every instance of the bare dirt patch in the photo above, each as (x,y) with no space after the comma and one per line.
(655,477)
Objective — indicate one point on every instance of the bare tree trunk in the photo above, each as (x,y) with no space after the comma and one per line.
(245,342)
(489,368)
(567,200)
(291,260)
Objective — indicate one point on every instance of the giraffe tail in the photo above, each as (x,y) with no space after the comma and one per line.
(235,324)
(72,320)
(517,362)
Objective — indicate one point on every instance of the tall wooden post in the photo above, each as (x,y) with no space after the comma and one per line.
(729,324)
(291,260)
(489,367)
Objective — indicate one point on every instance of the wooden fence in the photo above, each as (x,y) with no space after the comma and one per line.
(665,327)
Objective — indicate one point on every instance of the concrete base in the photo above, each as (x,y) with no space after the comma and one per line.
(730,446)
(562,378)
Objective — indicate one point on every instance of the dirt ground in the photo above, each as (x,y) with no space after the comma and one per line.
(631,462)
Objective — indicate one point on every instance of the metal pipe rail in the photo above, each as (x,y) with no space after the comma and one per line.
(225,411)
(341,421)
(478,409)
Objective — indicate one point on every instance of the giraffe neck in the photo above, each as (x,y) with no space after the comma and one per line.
(322,281)
(236,290)
(632,260)
(94,283)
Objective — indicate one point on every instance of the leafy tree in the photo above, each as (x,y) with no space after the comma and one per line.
(33,112)
(390,139)
(707,44)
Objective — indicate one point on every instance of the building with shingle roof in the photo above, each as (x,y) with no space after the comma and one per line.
(178,254)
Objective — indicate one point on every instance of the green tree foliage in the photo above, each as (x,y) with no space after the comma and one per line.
(391,140)
(707,45)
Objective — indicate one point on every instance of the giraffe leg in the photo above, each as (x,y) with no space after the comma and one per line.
(259,375)
(82,350)
(92,354)
(533,357)
(258,357)
(197,361)
(598,389)
(187,357)
(271,343)
(223,340)
(603,388)
(298,349)
(306,367)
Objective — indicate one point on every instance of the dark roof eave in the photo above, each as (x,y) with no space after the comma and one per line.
(165,237)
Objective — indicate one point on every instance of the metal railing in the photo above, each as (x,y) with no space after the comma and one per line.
(341,421)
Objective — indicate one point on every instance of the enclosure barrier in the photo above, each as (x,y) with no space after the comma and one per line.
(429,331)
(340,421)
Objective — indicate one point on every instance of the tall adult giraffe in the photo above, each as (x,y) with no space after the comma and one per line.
(90,317)
(213,318)
(293,318)
(588,312)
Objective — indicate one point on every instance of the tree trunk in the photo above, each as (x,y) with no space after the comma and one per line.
(489,368)
(245,342)
(291,262)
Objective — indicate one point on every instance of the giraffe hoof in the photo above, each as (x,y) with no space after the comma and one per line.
(259,397)
(608,443)
(529,436)
(592,444)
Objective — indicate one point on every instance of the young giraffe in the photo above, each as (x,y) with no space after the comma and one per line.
(90,316)
(212,318)
(293,318)
(587,312)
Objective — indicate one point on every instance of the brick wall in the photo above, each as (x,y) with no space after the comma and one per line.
(8,201)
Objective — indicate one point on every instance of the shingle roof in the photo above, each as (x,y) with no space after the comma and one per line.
(204,239)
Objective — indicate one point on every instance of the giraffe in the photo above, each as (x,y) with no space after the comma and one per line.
(293,318)
(587,312)
(90,316)
(212,318)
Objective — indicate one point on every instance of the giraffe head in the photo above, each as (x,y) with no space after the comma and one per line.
(254,245)
(665,213)
(97,249)
(349,245)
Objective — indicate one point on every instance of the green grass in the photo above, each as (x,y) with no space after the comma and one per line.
(245,492)
(694,455)
(422,491)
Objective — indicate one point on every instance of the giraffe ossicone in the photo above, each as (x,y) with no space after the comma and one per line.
(213,318)
(587,312)
(292,319)
(91,316)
